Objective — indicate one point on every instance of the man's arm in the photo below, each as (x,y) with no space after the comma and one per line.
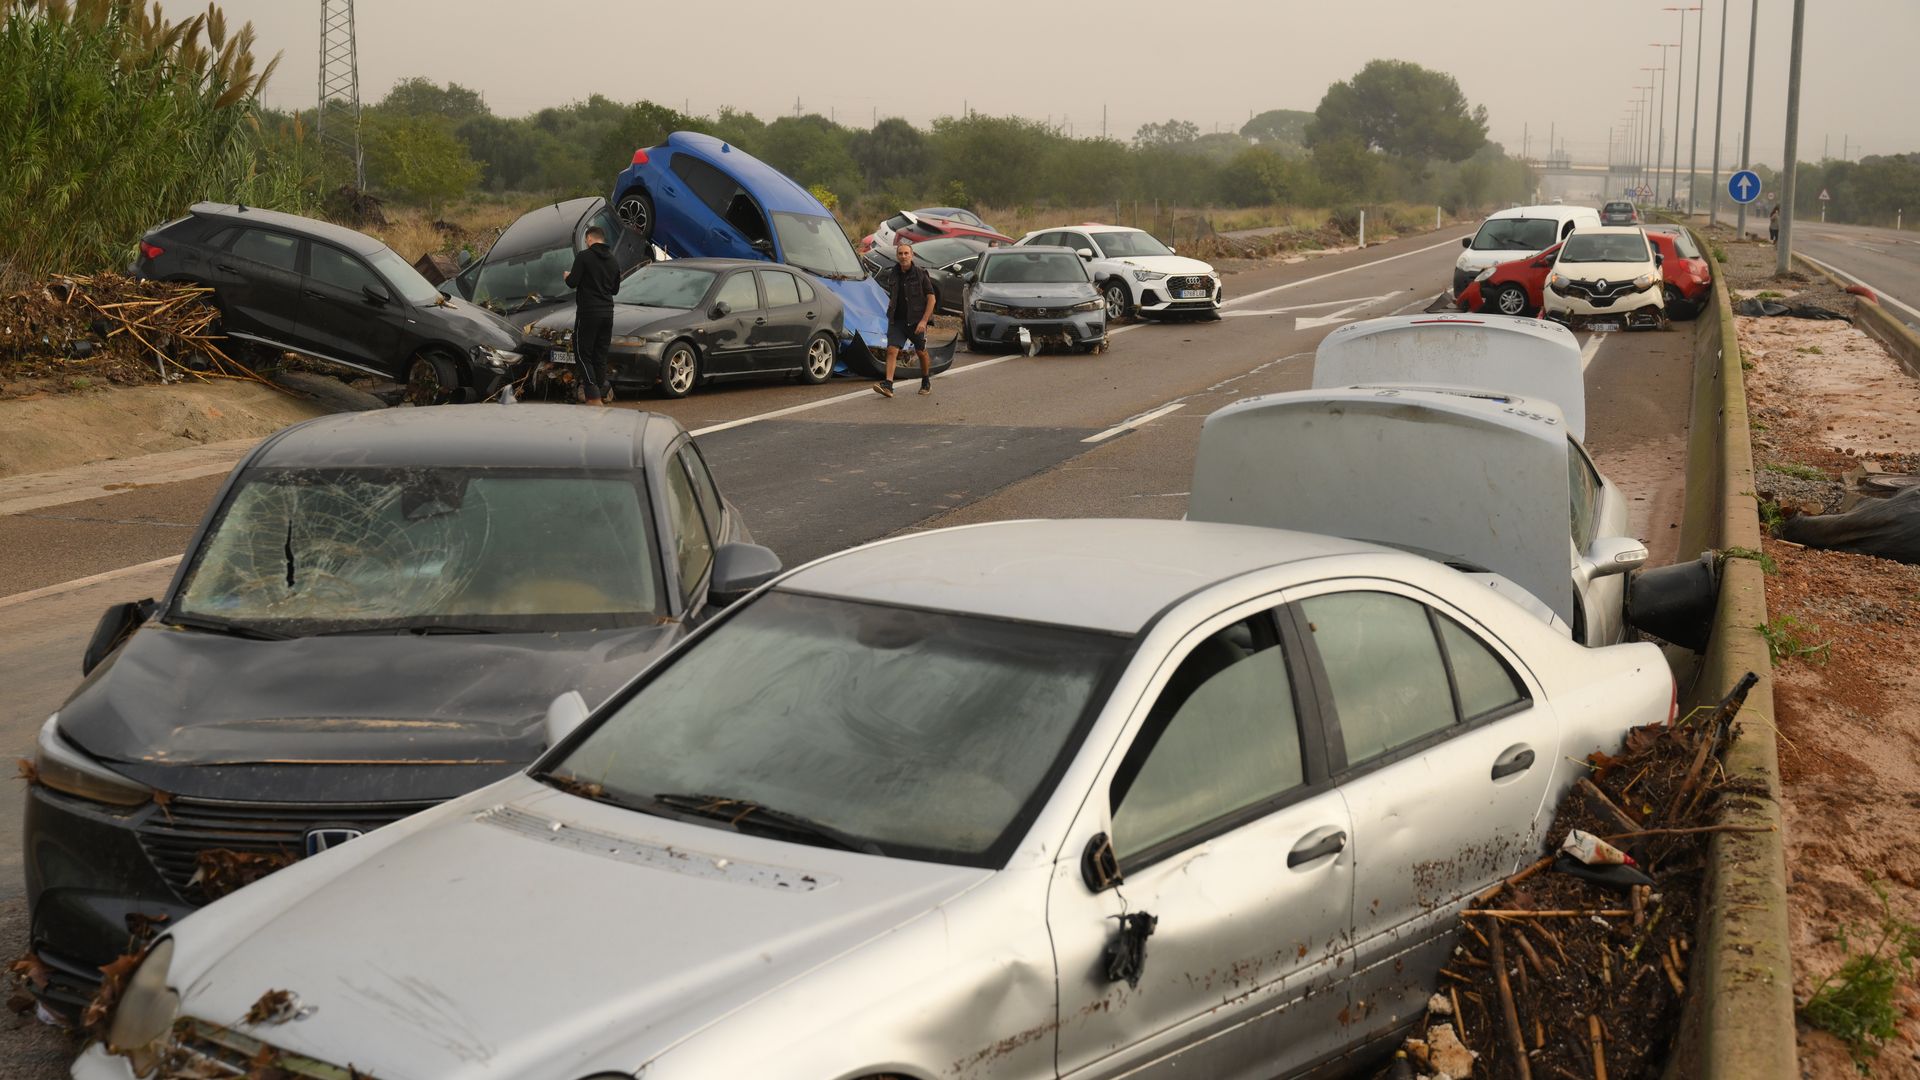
(926,316)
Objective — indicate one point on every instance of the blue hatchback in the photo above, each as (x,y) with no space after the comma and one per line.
(698,197)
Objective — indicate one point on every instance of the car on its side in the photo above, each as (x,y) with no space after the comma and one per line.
(1136,273)
(976,802)
(946,259)
(1619,212)
(1685,270)
(372,618)
(1510,288)
(297,284)
(698,197)
(1515,233)
(522,274)
(680,324)
(1607,277)
(1029,296)
(918,225)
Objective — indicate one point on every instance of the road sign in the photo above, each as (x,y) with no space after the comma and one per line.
(1744,186)
(1824,196)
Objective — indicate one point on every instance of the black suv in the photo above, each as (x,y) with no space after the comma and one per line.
(298,284)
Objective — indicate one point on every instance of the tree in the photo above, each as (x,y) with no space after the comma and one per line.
(812,150)
(1348,167)
(417,158)
(891,149)
(1171,135)
(1403,109)
(1260,174)
(418,96)
(1285,127)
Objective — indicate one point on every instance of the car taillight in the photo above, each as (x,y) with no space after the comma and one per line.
(151,251)
(640,157)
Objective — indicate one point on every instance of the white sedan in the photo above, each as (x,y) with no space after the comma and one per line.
(1136,273)
(1029,799)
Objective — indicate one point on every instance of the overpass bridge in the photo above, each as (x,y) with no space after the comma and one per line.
(1564,176)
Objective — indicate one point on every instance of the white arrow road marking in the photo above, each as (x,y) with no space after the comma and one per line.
(1345,314)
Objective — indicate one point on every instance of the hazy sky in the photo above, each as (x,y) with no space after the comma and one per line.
(1537,65)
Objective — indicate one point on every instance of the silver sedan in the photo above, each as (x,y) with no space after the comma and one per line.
(1031,799)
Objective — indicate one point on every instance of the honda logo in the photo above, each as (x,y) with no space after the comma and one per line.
(330,836)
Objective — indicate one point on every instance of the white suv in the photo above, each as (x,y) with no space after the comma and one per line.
(1608,275)
(1136,273)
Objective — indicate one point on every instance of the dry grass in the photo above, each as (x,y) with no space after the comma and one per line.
(411,233)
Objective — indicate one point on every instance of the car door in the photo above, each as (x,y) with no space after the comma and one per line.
(1596,509)
(343,316)
(728,342)
(717,218)
(259,284)
(1218,816)
(1444,759)
(950,282)
(689,539)
(628,251)
(779,337)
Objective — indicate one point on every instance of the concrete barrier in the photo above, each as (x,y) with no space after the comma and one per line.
(1739,1018)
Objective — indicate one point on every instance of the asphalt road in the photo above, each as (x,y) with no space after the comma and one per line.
(816,469)
(1885,260)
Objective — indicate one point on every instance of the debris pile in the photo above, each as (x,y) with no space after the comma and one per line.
(1576,966)
(73,332)
(219,871)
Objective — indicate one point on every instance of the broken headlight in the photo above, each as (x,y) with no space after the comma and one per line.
(1556,282)
(1487,273)
(495,359)
(148,1006)
(1645,281)
(61,767)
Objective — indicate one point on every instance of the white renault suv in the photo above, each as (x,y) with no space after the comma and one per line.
(1609,275)
(1137,273)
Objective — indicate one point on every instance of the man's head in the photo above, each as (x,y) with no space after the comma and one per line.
(595,235)
(903,251)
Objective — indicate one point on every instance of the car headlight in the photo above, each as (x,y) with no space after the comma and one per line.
(1485,274)
(990,307)
(1148,275)
(1089,305)
(495,359)
(65,769)
(1555,281)
(148,1006)
(1645,281)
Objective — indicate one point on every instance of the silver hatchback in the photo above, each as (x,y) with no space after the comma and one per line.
(1027,297)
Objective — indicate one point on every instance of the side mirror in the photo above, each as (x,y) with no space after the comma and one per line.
(1085,253)
(1171,250)
(763,245)
(1466,241)
(565,713)
(721,309)
(1659,259)
(376,294)
(1612,555)
(738,569)
(116,626)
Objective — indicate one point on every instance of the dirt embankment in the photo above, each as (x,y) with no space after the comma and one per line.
(55,431)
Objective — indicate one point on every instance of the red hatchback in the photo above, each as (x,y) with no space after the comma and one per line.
(1510,288)
(1688,276)
(917,227)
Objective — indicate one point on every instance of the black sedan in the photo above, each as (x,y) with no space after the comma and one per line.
(521,275)
(377,614)
(947,260)
(681,323)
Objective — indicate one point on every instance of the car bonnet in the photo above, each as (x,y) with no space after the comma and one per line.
(533,933)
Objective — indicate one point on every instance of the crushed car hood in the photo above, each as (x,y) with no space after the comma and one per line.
(485,327)
(567,935)
(222,717)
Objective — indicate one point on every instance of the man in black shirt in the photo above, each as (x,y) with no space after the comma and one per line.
(910,300)
(594,278)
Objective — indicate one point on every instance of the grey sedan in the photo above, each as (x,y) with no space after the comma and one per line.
(1027,297)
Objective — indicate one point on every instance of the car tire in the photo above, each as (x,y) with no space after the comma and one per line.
(817,367)
(635,209)
(679,370)
(1678,307)
(1118,300)
(432,379)
(1510,299)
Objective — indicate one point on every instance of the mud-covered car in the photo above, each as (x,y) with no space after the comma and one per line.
(1029,297)
(374,617)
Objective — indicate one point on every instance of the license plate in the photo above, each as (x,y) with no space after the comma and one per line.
(1190,294)
(1603,327)
(559,357)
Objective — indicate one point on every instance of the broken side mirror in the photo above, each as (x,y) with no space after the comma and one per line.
(565,713)
(1611,555)
(738,569)
(721,310)
(116,626)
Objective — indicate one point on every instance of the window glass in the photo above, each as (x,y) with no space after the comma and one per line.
(520,281)
(780,287)
(1008,266)
(1516,234)
(1583,494)
(703,488)
(1076,241)
(1389,684)
(898,222)
(665,285)
(710,185)
(221,238)
(816,243)
(1124,245)
(414,289)
(273,249)
(331,266)
(1588,247)
(1046,239)
(692,549)
(806,289)
(738,292)
(1228,739)
(1483,679)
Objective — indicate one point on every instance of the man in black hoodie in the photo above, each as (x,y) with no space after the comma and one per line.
(594,278)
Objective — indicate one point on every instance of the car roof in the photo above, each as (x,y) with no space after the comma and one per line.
(1549,210)
(529,436)
(1096,227)
(1027,249)
(716,263)
(544,227)
(1610,230)
(357,242)
(774,190)
(1111,575)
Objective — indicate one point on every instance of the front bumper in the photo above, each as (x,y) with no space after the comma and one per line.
(1633,307)
(627,368)
(1078,328)
(1170,294)
(1464,278)
(1469,298)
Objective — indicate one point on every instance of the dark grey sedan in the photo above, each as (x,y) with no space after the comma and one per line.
(681,323)
(374,617)
(1028,297)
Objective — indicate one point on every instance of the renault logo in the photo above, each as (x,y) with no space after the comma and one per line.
(1603,284)
(330,836)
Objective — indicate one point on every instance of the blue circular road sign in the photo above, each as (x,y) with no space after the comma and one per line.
(1744,186)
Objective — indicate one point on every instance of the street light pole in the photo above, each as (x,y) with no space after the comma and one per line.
(1679,87)
(1693,140)
(1660,137)
(1783,258)
(1719,99)
(1746,130)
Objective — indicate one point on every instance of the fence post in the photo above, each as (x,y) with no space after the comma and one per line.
(1363,228)
(1436,217)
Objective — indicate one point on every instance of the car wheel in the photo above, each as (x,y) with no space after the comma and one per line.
(1510,299)
(1119,300)
(820,356)
(432,379)
(679,370)
(636,213)
(1678,306)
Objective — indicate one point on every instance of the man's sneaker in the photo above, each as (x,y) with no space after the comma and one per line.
(926,387)
(883,388)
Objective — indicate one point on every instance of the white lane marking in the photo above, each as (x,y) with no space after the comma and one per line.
(1421,305)
(1877,291)
(1129,425)
(1345,314)
(1592,347)
(81,583)
(1336,273)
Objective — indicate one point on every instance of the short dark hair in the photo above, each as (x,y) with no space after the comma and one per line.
(595,232)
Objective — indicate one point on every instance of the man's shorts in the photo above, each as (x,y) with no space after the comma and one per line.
(900,337)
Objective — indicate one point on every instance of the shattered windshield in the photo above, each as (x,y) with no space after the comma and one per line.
(522,281)
(310,551)
(928,734)
(1605,248)
(1516,234)
(654,285)
(816,243)
(1121,245)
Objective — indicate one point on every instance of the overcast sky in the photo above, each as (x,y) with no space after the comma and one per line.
(1539,66)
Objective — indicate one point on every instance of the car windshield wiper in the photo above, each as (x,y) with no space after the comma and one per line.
(412,628)
(214,625)
(737,812)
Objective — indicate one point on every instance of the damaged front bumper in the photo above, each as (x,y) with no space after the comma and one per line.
(197,1048)
(1088,329)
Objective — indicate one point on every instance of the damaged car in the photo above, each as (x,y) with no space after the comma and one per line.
(1015,800)
(913,226)
(1027,297)
(1607,279)
(947,260)
(1136,273)
(522,276)
(373,618)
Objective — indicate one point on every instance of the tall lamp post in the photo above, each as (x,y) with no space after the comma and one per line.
(1783,258)
(1679,87)
(1719,99)
(1660,108)
(1746,129)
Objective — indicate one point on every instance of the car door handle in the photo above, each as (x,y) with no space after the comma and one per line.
(1307,852)
(811,315)
(225,268)
(313,294)
(760,321)
(1516,759)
